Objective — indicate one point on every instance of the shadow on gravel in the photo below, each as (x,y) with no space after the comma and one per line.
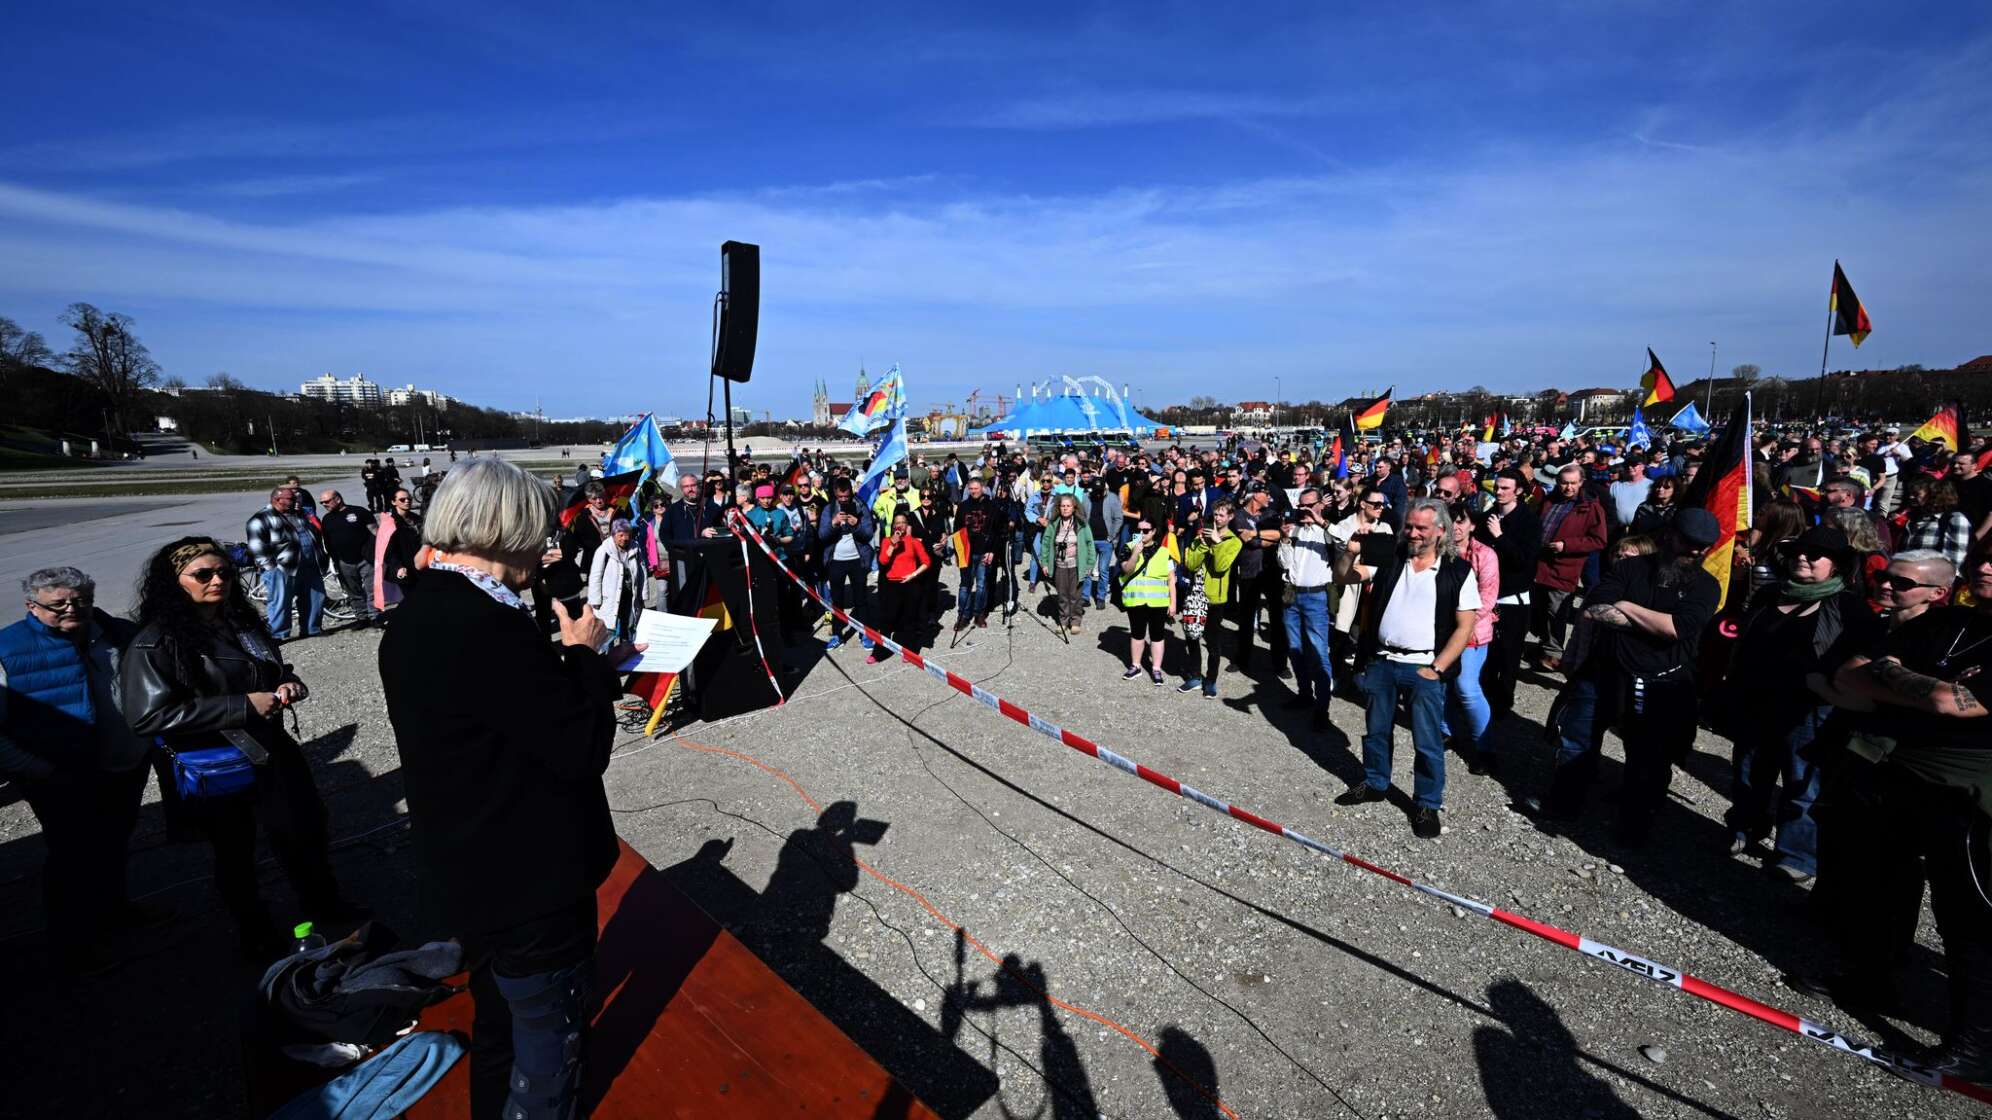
(171,1013)
(1190,1050)
(1180,1059)
(1528,1065)
(787,925)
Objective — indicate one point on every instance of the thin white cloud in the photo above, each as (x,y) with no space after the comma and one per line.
(284,186)
(1106,108)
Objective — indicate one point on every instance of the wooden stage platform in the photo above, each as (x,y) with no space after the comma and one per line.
(693,1024)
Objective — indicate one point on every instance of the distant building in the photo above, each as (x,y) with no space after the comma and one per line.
(824,412)
(1252,412)
(403,397)
(354,390)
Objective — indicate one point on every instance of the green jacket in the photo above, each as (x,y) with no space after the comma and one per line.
(1047,543)
(1215,562)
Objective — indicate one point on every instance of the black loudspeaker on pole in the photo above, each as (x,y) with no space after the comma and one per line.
(739,310)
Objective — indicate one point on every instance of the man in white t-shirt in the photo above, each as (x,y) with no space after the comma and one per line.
(1419,622)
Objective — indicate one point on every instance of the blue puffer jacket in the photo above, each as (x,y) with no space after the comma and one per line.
(45,706)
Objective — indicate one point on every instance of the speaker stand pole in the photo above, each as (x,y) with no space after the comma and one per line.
(732,463)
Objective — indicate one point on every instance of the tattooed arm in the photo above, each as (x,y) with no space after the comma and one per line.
(1632,616)
(1887,681)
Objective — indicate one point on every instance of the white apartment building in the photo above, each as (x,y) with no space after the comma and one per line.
(407,395)
(354,390)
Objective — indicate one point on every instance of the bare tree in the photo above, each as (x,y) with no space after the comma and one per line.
(108,355)
(1747,372)
(222,379)
(21,347)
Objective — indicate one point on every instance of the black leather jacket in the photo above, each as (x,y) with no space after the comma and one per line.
(196,713)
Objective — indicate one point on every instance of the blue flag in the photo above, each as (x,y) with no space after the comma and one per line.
(1569,430)
(1638,436)
(642,449)
(1689,419)
(891,453)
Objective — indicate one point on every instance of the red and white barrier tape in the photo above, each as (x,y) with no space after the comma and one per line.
(1631,962)
(753,619)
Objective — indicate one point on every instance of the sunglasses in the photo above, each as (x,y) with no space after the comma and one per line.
(1374,505)
(1798,552)
(1900,583)
(205,576)
(64,606)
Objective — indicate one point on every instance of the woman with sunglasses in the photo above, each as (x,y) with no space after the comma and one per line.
(1806,624)
(399,542)
(204,672)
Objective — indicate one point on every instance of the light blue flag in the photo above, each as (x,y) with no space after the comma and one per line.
(1689,419)
(1638,436)
(884,403)
(1569,430)
(642,448)
(891,453)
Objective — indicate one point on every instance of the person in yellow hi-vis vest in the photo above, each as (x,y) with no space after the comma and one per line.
(1147,577)
(1209,558)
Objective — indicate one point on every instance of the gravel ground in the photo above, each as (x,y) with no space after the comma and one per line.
(1283,983)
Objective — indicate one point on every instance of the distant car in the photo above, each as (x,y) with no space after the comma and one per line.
(399,447)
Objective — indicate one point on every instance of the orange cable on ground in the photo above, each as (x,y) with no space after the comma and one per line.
(956,927)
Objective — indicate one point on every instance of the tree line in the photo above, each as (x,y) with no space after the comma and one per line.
(107,386)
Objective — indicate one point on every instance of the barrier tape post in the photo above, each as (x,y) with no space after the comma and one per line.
(1633,963)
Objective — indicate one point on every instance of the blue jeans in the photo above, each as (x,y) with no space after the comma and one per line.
(1095,585)
(1468,715)
(972,597)
(306,586)
(1026,551)
(1383,682)
(1775,765)
(1307,627)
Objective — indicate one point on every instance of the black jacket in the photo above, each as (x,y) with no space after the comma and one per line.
(503,739)
(197,713)
(1516,548)
(349,534)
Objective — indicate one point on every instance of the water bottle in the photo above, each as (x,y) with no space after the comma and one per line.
(307,937)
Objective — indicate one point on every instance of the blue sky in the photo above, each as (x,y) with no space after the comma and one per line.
(513,202)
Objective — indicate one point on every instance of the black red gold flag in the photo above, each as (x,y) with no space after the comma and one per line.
(619,488)
(1371,415)
(1722,487)
(1849,317)
(1946,427)
(1659,387)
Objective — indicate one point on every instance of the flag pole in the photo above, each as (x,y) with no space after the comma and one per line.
(1819,397)
(1710,405)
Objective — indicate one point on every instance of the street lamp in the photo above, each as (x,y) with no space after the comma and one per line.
(1276,403)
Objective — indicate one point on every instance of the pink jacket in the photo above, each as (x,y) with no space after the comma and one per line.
(1486,574)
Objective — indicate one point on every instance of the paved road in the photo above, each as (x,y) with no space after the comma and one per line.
(111,539)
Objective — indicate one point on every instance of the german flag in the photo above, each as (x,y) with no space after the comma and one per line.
(714,606)
(619,488)
(1495,423)
(1371,415)
(1946,427)
(1170,546)
(654,689)
(963,555)
(1849,317)
(1659,387)
(1723,488)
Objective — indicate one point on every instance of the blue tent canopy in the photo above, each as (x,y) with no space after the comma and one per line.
(1070,414)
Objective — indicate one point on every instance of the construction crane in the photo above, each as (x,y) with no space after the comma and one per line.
(1002,403)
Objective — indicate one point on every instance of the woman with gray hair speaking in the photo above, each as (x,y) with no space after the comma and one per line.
(504,738)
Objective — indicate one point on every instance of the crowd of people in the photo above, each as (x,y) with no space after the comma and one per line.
(1424,574)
